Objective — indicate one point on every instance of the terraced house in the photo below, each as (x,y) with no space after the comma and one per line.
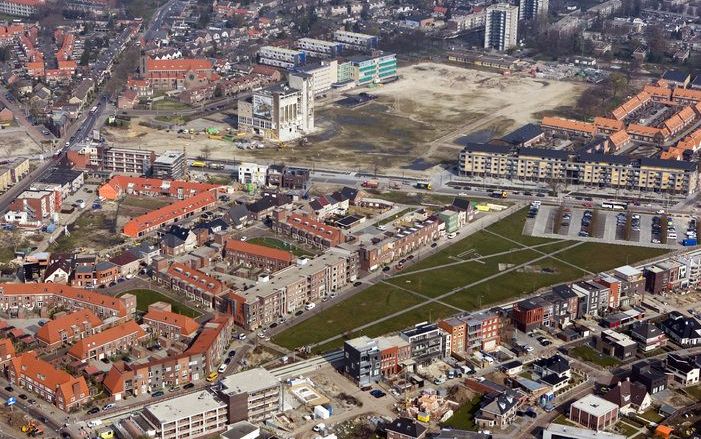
(108,342)
(68,328)
(195,284)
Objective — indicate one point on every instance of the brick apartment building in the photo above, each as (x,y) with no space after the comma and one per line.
(68,328)
(14,297)
(307,229)
(95,275)
(162,322)
(108,342)
(38,204)
(202,357)
(195,284)
(476,331)
(288,290)
(594,412)
(257,256)
(389,247)
(54,385)
(112,159)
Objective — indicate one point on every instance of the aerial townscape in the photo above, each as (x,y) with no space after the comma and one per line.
(350,219)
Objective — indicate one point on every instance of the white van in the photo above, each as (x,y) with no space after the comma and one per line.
(94,423)
(310,306)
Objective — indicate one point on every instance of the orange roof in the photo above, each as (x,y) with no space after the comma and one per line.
(177,65)
(673,123)
(259,250)
(672,154)
(65,291)
(40,371)
(687,114)
(619,138)
(196,278)
(69,324)
(208,335)
(692,141)
(311,225)
(186,324)
(67,65)
(121,184)
(568,124)
(7,349)
(644,130)
(658,92)
(609,124)
(686,94)
(663,431)
(160,216)
(81,349)
(27,2)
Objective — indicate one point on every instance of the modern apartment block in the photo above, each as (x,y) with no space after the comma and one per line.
(361,359)
(189,416)
(279,112)
(21,8)
(319,48)
(281,57)
(288,290)
(501,27)
(253,395)
(170,165)
(428,342)
(355,40)
(127,160)
(532,9)
(598,170)
(470,332)
(374,69)
(324,75)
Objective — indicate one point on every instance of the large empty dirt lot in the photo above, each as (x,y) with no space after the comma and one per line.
(411,126)
(15,142)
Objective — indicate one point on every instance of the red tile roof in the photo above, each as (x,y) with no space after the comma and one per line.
(65,291)
(570,125)
(69,324)
(168,213)
(196,278)
(259,250)
(177,65)
(208,335)
(311,225)
(121,184)
(7,349)
(186,324)
(81,349)
(56,380)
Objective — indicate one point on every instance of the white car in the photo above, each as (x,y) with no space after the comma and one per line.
(310,306)
(529,348)
(222,368)
(243,238)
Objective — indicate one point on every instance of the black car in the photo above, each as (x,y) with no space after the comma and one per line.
(94,410)
(232,353)
(433,245)
(299,313)
(10,389)
(22,396)
(377,393)
(357,284)
(189,386)
(387,268)
(157,394)
(227,360)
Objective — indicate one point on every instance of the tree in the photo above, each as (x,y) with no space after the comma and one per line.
(656,43)
(617,83)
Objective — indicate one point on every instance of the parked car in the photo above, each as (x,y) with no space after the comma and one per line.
(189,386)
(377,393)
(157,394)
(94,410)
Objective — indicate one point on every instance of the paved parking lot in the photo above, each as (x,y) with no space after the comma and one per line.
(630,228)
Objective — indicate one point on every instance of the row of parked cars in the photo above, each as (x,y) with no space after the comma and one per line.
(585,228)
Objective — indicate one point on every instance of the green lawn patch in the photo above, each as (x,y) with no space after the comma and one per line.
(512,227)
(144,203)
(280,244)
(397,215)
(427,313)
(364,307)
(607,256)
(464,417)
(694,392)
(144,298)
(652,416)
(562,420)
(165,104)
(626,429)
(587,353)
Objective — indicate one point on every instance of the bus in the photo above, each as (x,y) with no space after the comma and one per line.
(614,205)
(422,185)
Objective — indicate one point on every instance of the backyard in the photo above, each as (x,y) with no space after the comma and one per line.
(144,298)
(491,266)
(92,231)
(280,244)
(587,353)
(464,417)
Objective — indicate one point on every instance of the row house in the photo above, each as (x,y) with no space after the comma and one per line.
(195,284)
(121,185)
(92,276)
(109,342)
(202,357)
(557,308)
(68,328)
(173,326)
(49,383)
(377,251)
(306,229)
(289,290)
(14,297)
(476,331)
(178,211)
(257,256)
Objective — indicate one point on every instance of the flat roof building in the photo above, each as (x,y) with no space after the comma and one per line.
(253,395)
(170,165)
(188,416)
(594,412)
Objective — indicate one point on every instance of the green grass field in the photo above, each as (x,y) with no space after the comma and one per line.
(464,417)
(587,353)
(382,299)
(144,298)
(391,218)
